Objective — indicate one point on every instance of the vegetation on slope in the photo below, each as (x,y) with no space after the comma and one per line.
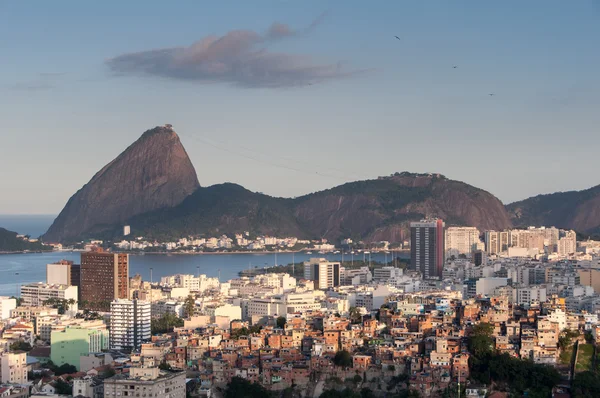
(9,242)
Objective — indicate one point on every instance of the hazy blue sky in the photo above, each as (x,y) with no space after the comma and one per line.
(329,96)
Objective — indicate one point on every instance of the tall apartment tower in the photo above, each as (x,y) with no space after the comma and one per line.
(129,324)
(64,272)
(427,247)
(104,278)
(323,273)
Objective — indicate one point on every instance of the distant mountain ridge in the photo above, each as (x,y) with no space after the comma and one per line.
(578,210)
(372,210)
(153,187)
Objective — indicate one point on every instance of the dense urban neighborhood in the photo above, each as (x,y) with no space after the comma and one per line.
(475,314)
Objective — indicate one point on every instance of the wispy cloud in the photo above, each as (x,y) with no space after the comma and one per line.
(240,57)
(43,81)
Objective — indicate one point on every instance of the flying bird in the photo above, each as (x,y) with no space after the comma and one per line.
(491,94)
(397,38)
(454,67)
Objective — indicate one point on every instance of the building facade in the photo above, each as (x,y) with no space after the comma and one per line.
(104,278)
(13,367)
(323,273)
(427,248)
(150,381)
(462,240)
(36,294)
(71,343)
(63,272)
(129,323)
(7,304)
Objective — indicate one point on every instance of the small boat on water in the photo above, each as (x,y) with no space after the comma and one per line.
(308,252)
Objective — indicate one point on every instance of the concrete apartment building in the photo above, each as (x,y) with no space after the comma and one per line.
(70,344)
(129,324)
(13,367)
(149,381)
(462,240)
(104,278)
(7,304)
(323,273)
(427,248)
(35,294)
(63,272)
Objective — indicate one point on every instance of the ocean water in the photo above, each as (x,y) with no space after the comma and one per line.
(33,225)
(18,269)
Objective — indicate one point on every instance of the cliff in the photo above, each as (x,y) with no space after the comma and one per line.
(152,173)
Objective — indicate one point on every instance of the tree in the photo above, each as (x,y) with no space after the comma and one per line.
(480,341)
(164,366)
(62,387)
(357,379)
(366,393)
(189,306)
(166,323)
(242,388)
(346,393)
(20,346)
(343,359)
(281,322)
(63,369)
(586,384)
(355,315)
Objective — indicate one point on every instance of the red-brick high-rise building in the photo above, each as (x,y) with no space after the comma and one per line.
(104,278)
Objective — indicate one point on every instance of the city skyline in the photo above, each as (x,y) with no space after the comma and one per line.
(382,104)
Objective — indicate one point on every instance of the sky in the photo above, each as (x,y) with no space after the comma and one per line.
(291,97)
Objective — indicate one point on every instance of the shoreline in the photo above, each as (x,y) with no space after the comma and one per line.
(202,253)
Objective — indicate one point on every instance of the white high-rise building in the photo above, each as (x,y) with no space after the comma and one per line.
(325,274)
(13,368)
(462,240)
(7,304)
(567,244)
(129,323)
(126,230)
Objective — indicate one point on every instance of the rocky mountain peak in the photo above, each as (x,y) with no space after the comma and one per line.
(153,172)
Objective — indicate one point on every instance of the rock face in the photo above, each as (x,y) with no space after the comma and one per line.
(371,210)
(578,210)
(153,173)
(382,209)
(153,187)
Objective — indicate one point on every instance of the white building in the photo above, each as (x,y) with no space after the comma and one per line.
(233,312)
(528,295)
(462,240)
(283,281)
(155,382)
(7,304)
(567,244)
(129,323)
(325,274)
(13,368)
(126,230)
(200,283)
(385,274)
(162,307)
(36,294)
(59,273)
(486,286)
